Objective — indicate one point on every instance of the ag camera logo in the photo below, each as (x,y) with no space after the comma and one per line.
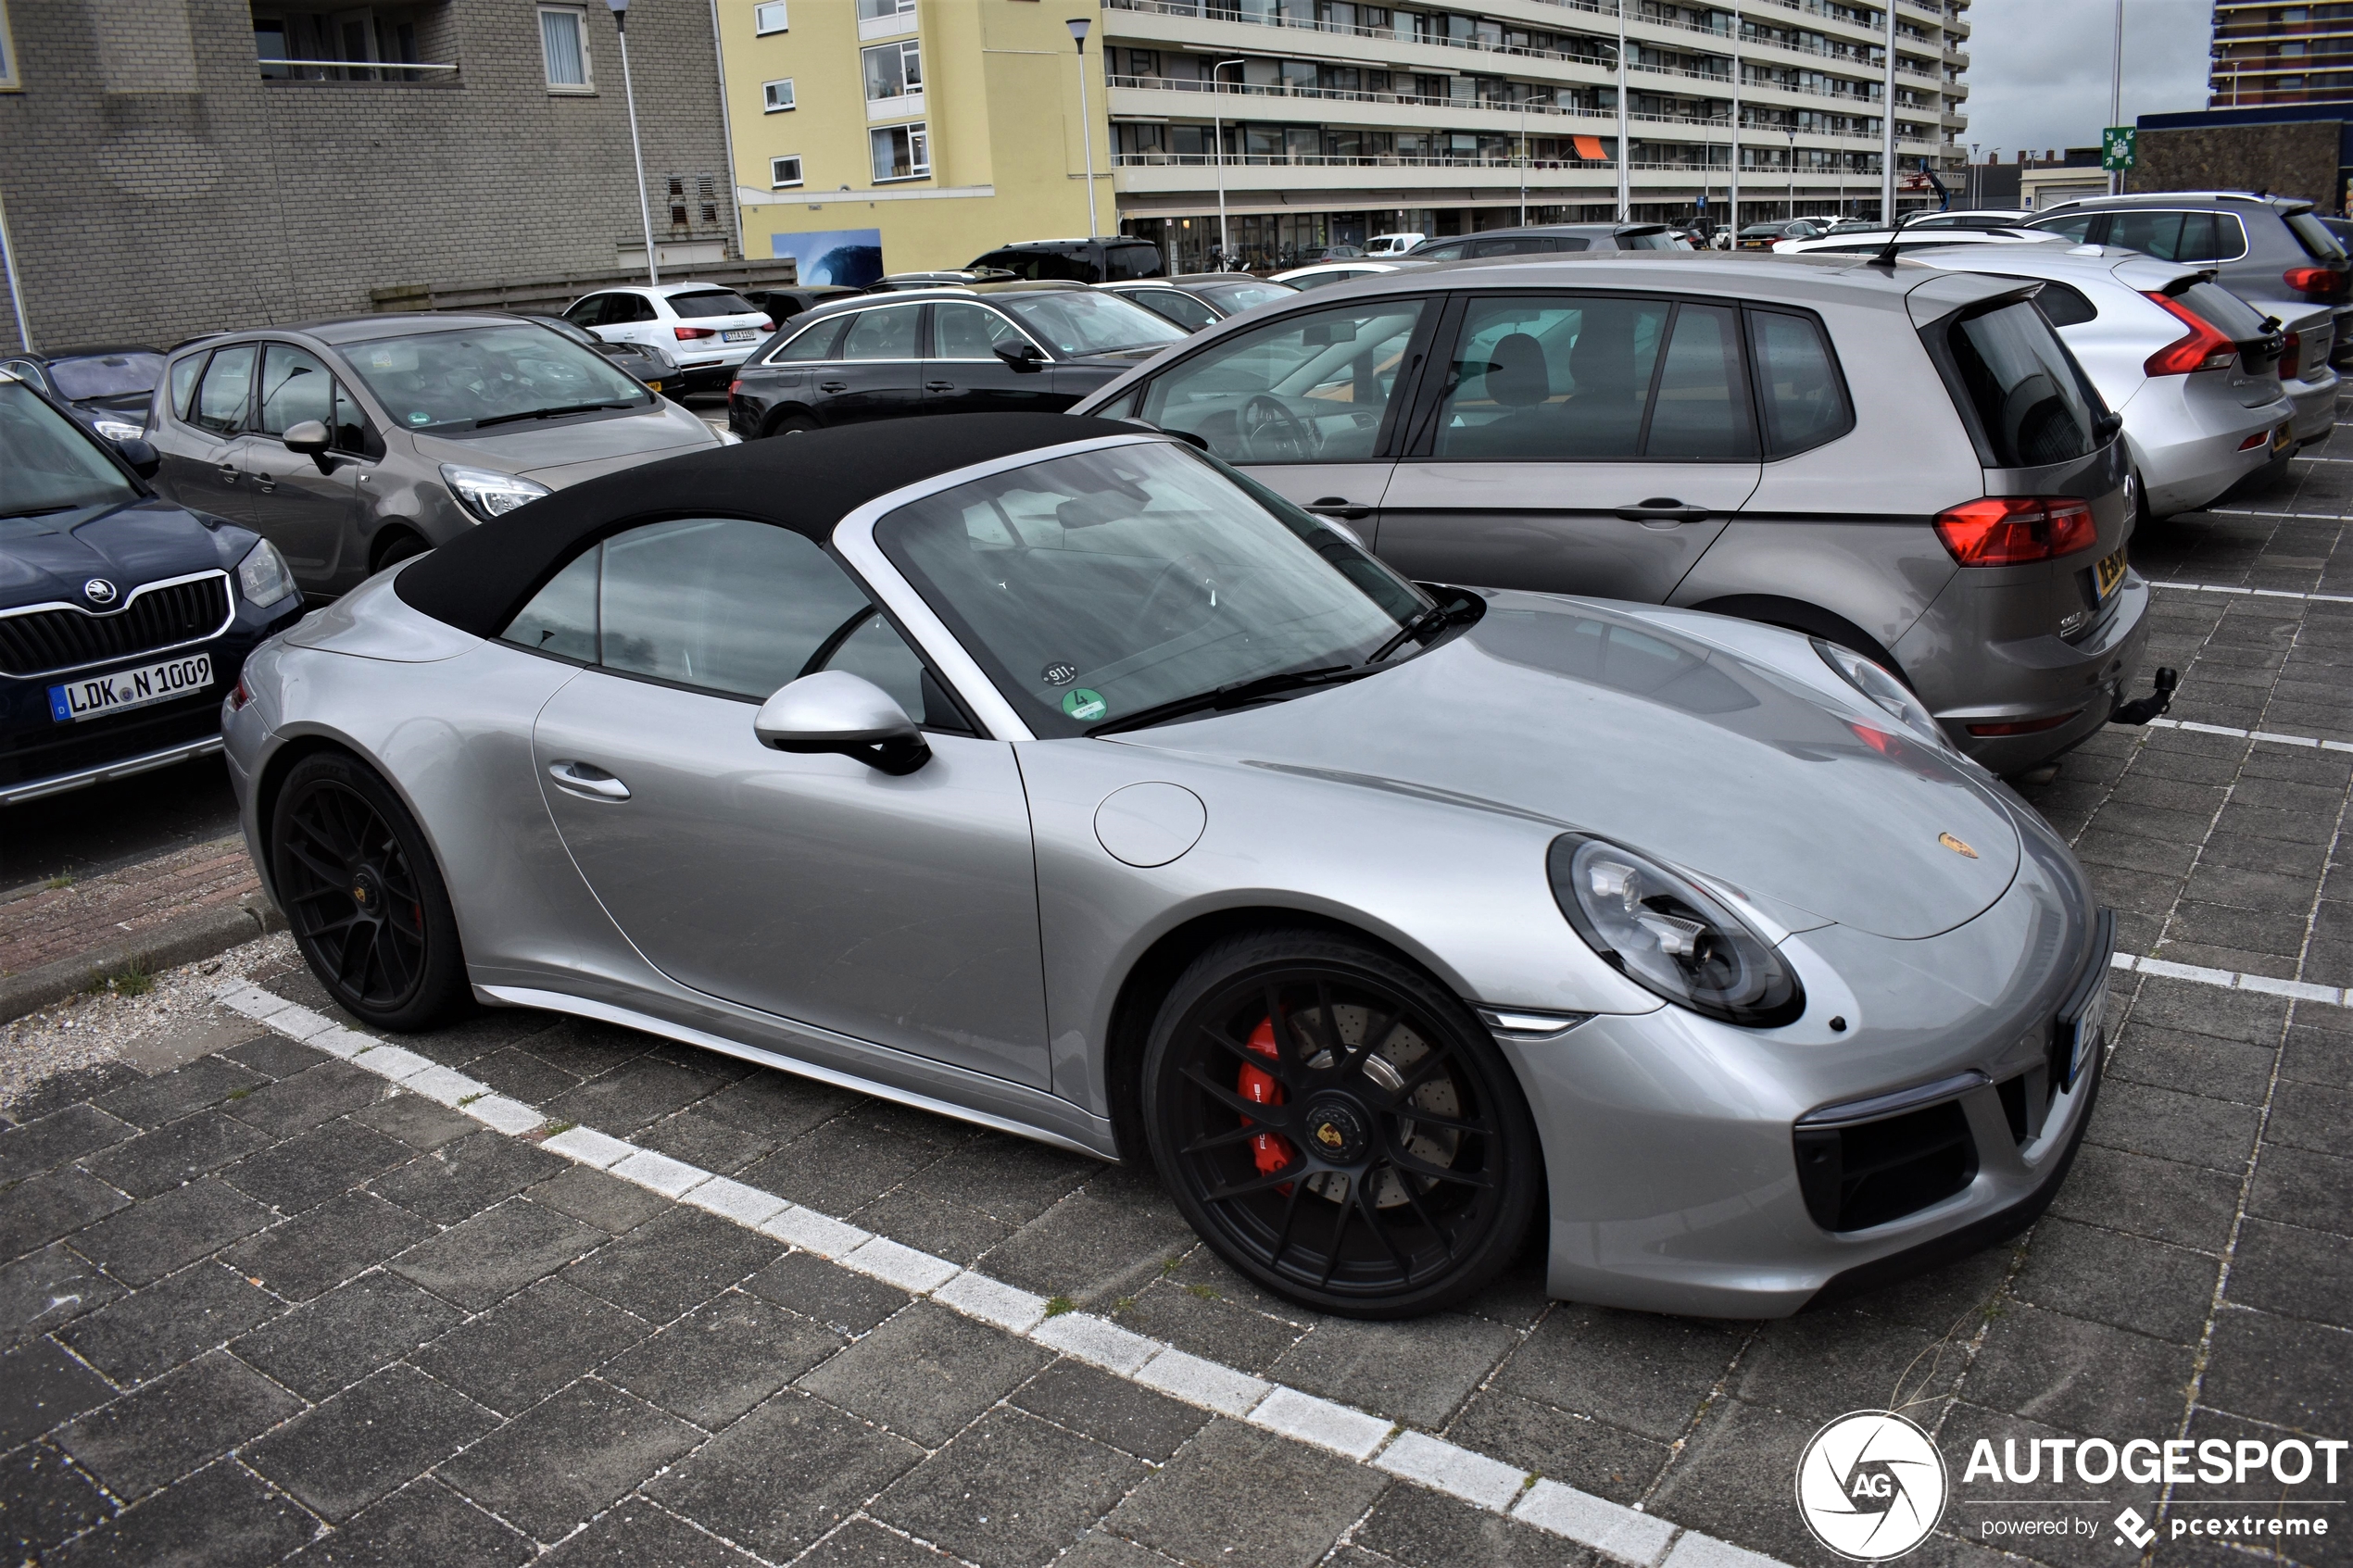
(1871,1485)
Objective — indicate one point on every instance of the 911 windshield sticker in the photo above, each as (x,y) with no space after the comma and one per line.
(95,695)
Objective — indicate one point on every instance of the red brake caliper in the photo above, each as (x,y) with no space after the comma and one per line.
(1272,1150)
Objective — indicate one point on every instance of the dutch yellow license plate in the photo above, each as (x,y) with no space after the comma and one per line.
(2111,573)
(2281,437)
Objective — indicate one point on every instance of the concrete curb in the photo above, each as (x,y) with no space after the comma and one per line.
(185,940)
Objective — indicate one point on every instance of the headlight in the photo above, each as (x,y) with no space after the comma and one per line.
(118,430)
(1888,694)
(1665,934)
(262,576)
(488,494)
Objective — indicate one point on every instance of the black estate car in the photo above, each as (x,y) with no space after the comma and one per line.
(106,389)
(124,619)
(1035,347)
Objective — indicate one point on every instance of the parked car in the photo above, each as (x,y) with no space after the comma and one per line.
(1396,931)
(989,348)
(1196,300)
(1539,239)
(1393,244)
(782,305)
(1308,254)
(123,617)
(2190,366)
(900,282)
(2273,252)
(706,329)
(106,389)
(1106,258)
(1763,236)
(1325,274)
(1874,240)
(1973,218)
(352,445)
(1933,486)
(650,362)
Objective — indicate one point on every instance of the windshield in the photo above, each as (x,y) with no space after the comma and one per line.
(2024,387)
(47,465)
(1241,296)
(106,375)
(1658,240)
(2223,311)
(712,302)
(459,379)
(2314,236)
(1089,323)
(1096,585)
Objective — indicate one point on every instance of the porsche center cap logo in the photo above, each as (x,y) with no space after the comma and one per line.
(1330,1136)
(1956,846)
(359,894)
(98,591)
(1338,1130)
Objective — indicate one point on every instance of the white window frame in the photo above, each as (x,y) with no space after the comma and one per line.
(766,11)
(579,15)
(917,132)
(768,96)
(11,73)
(775,179)
(906,49)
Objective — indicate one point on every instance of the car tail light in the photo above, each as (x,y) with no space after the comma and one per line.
(766,325)
(689,334)
(2024,726)
(2252,442)
(2292,356)
(2017,530)
(239,696)
(2313,280)
(2204,349)
(735,386)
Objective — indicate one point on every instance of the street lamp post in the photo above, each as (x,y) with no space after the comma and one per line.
(1792,132)
(637,152)
(1624,188)
(1078,26)
(1218,115)
(1523,157)
(2116,94)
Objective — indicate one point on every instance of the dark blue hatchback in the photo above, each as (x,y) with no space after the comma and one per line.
(124,619)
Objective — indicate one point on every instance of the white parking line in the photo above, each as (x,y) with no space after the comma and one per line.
(2233,980)
(1626,1535)
(2192,727)
(2243,511)
(2255,593)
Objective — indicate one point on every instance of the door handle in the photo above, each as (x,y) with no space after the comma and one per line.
(939,386)
(1665,510)
(1340,506)
(228,473)
(265,483)
(833,386)
(588,780)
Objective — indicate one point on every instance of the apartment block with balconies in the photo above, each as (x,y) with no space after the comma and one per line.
(2270,53)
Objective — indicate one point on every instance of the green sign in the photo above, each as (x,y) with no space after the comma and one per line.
(2115,147)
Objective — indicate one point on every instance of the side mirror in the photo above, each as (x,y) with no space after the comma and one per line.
(143,457)
(310,438)
(834,711)
(1026,357)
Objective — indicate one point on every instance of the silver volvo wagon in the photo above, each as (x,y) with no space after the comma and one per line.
(1904,463)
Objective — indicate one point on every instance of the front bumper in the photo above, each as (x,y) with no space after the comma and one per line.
(1672,1143)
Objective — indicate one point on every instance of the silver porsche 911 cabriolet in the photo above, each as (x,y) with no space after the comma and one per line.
(1046,773)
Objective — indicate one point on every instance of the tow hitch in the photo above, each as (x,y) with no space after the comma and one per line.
(2141,710)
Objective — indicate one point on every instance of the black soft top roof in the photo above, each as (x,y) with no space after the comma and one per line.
(807,483)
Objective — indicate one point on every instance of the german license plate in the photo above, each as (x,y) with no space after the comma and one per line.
(737,334)
(2111,573)
(92,697)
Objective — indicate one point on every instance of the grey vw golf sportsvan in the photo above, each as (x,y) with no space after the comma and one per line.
(1901,463)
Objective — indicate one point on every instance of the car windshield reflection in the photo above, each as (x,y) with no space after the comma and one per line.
(1097,585)
(488,375)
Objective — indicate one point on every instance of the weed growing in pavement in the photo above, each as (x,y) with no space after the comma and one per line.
(1058,1305)
(555,1127)
(1122,1305)
(239,1094)
(1170,1266)
(133,979)
(59,883)
(1203,1292)
(464,1101)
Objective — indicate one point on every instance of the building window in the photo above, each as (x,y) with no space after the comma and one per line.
(778,95)
(901,152)
(877,10)
(783,173)
(564,40)
(894,71)
(769,18)
(9,81)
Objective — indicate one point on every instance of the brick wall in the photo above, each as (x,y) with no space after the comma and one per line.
(2298,159)
(158,187)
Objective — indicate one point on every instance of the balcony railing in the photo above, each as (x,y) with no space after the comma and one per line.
(1214,10)
(394,72)
(1350,96)
(1341,160)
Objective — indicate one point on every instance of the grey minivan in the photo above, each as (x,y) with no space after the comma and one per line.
(1905,464)
(352,445)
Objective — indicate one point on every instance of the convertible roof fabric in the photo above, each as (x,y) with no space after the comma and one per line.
(807,482)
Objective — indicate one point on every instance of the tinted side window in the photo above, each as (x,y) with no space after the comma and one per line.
(968,331)
(1554,377)
(2066,306)
(1133,261)
(587,312)
(882,334)
(1182,309)
(1799,390)
(226,390)
(2075,226)
(1440,253)
(295,387)
(813,342)
(2022,386)
(1700,411)
(1572,243)
(561,618)
(719,602)
(183,383)
(350,425)
(1308,388)
(2153,233)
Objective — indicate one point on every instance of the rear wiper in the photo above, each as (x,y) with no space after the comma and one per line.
(1233,695)
(549,413)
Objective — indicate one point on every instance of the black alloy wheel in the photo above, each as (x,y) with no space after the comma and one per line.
(1339,1127)
(363,896)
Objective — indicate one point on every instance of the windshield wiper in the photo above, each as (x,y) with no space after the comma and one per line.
(549,413)
(44,512)
(1427,623)
(1232,695)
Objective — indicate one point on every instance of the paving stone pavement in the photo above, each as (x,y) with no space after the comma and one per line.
(265,1306)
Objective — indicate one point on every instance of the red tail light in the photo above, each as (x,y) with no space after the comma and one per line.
(766,325)
(240,697)
(2252,442)
(2313,280)
(2017,530)
(735,386)
(2204,349)
(2292,356)
(689,334)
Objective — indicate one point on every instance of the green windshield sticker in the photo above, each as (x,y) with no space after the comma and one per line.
(1084,706)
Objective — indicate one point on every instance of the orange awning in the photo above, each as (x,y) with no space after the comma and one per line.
(1590,147)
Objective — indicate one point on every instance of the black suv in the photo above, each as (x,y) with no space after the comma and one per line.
(1019,347)
(1105,260)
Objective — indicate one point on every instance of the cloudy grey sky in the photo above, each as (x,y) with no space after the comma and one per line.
(2038,73)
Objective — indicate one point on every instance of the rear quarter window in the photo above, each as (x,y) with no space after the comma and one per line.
(2019,387)
(1800,393)
(2314,236)
(2064,305)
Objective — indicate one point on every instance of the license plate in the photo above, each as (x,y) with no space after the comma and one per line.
(2084,1031)
(95,695)
(2111,573)
(737,334)
(2281,437)
(653,386)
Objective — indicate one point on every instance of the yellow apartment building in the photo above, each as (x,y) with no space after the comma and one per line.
(873,136)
